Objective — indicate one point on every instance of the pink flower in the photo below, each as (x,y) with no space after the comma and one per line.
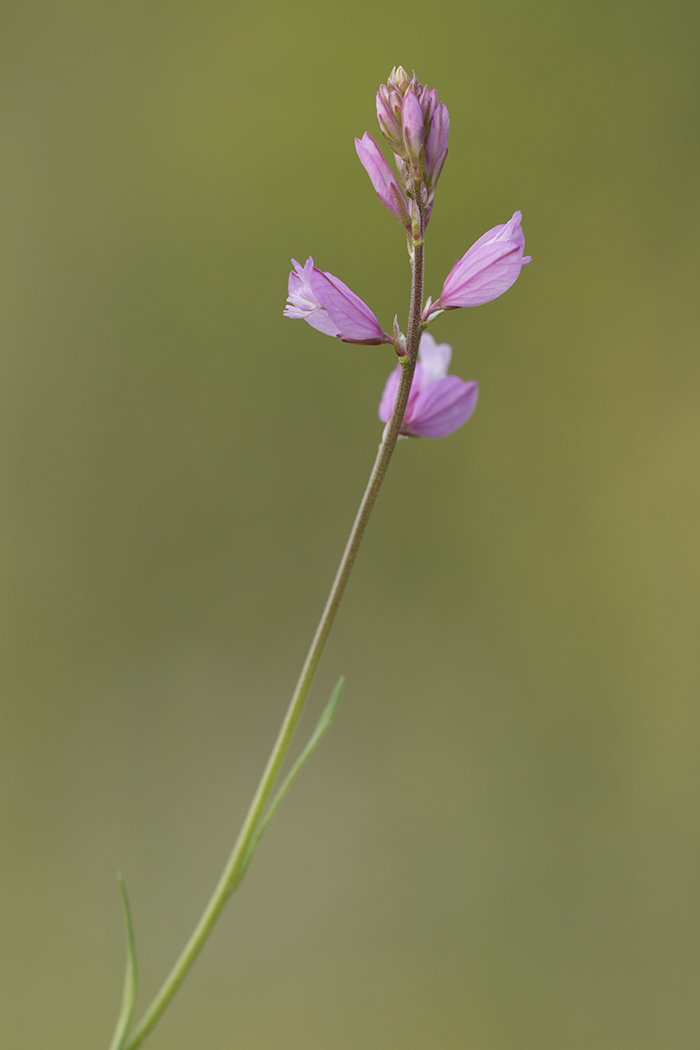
(438,404)
(383,178)
(329,306)
(487,270)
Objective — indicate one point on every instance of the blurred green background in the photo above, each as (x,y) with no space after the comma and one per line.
(497,846)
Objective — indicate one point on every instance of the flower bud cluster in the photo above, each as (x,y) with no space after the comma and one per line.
(416,126)
(414,123)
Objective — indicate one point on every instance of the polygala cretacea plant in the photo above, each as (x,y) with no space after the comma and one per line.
(420,399)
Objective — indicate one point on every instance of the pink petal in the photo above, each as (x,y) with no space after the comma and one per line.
(481,275)
(442,407)
(391,387)
(413,127)
(436,144)
(354,319)
(302,303)
(320,320)
(434,357)
(508,231)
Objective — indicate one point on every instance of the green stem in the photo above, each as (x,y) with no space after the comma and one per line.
(237,862)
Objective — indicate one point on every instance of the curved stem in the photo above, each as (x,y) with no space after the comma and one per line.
(236,866)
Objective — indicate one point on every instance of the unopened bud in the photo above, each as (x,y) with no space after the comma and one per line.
(399,341)
(428,102)
(399,80)
(413,129)
(436,145)
(389,117)
(383,179)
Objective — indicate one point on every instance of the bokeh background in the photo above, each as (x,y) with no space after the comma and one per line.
(497,846)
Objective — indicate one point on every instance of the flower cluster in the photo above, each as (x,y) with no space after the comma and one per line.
(416,127)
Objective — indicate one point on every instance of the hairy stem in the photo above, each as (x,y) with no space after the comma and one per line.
(236,864)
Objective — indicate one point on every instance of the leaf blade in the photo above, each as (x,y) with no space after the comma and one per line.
(128,1006)
(322,726)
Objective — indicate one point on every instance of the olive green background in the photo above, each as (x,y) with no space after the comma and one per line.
(497,846)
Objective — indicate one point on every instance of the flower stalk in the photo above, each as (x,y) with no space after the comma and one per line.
(237,863)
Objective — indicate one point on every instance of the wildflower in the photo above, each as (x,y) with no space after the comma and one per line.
(438,403)
(487,270)
(383,178)
(329,306)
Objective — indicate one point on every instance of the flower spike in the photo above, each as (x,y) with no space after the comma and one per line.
(416,126)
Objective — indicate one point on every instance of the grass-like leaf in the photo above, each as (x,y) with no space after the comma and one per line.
(130,978)
(322,726)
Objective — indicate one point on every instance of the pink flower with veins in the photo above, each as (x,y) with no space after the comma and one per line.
(486,270)
(438,404)
(331,307)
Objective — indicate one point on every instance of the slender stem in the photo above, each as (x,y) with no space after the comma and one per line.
(236,866)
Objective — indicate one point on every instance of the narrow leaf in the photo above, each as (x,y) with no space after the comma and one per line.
(322,726)
(130,978)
